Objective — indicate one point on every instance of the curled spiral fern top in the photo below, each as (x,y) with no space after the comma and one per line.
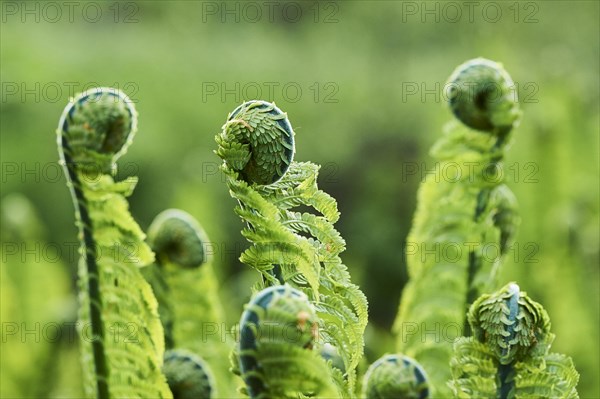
(298,248)
(94,130)
(510,324)
(257,141)
(483,96)
(278,330)
(98,126)
(395,376)
(188,376)
(508,356)
(176,237)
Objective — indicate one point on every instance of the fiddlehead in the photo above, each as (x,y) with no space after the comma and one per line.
(459,219)
(482,96)
(299,248)
(95,129)
(257,142)
(507,357)
(188,376)
(395,376)
(186,288)
(278,330)
(179,244)
(177,238)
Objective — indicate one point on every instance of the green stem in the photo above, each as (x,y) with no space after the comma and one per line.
(89,256)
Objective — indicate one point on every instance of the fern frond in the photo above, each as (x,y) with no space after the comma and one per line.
(186,288)
(395,376)
(507,357)
(278,330)
(188,376)
(298,248)
(122,338)
(458,219)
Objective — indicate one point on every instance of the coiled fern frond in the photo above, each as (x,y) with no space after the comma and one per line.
(459,218)
(188,376)
(121,335)
(508,355)
(278,330)
(395,376)
(186,288)
(182,278)
(289,245)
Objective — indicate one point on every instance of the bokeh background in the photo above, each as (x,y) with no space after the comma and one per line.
(361,82)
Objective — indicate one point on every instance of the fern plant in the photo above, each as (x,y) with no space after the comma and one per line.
(278,331)
(295,247)
(395,376)
(185,286)
(508,355)
(122,340)
(458,219)
(188,376)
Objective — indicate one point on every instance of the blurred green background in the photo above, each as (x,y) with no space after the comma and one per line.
(361,82)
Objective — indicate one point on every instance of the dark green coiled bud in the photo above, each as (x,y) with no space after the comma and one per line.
(96,128)
(510,324)
(483,96)
(278,320)
(188,376)
(257,142)
(176,237)
(397,377)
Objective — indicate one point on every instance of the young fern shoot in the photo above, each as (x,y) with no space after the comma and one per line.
(459,218)
(182,278)
(94,131)
(186,288)
(508,355)
(298,248)
(278,330)
(395,376)
(188,376)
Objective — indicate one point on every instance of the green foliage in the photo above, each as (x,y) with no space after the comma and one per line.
(35,309)
(365,142)
(94,131)
(394,376)
(278,330)
(508,355)
(457,220)
(299,248)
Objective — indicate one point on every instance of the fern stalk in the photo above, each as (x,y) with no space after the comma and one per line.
(95,129)
(186,288)
(459,218)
